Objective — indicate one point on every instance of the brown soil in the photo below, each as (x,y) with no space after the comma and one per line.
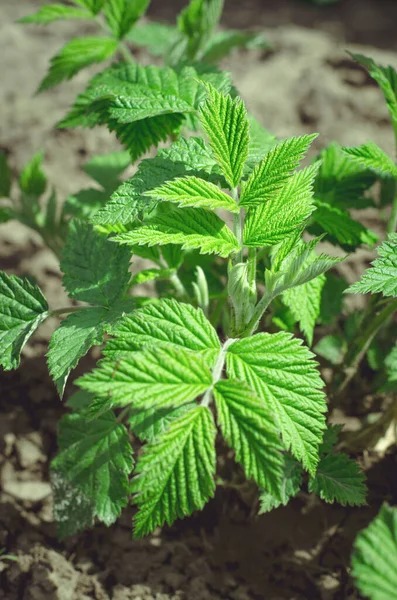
(298,552)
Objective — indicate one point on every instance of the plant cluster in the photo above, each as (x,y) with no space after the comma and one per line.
(229,225)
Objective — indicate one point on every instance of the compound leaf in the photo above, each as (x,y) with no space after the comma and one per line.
(90,473)
(54,12)
(382,275)
(74,56)
(226,123)
(250,431)
(189,228)
(95,270)
(375,554)
(372,157)
(158,378)
(339,478)
(175,473)
(282,373)
(192,191)
(22,309)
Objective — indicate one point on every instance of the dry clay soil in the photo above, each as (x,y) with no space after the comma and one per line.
(297,552)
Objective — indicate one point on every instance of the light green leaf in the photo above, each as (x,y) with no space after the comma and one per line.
(106,168)
(90,473)
(95,270)
(290,485)
(94,6)
(175,473)
(74,56)
(391,364)
(54,12)
(164,323)
(189,228)
(121,15)
(332,348)
(250,431)
(281,371)
(5,176)
(375,555)
(339,478)
(157,38)
(270,176)
(276,219)
(304,303)
(222,43)
(33,181)
(22,309)
(372,157)
(382,275)
(226,124)
(85,203)
(151,275)
(152,422)
(158,378)
(261,142)
(192,191)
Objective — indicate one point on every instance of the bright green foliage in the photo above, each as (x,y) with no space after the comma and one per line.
(175,474)
(142,105)
(279,217)
(290,485)
(121,15)
(164,323)
(189,228)
(151,275)
(196,23)
(192,191)
(53,12)
(261,141)
(94,6)
(337,222)
(95,270)
(74,56)
(223,42)
(382,275)
(226,124)
(152,422)
(164,377)
(304,303)
(272,173)
(33,181)
(250,431)
(22,309)
(157,38)
(375,555)
(280,370)
(339,478)
(5,176)
(105,169)
(386,77)
(372,157)
(90,473)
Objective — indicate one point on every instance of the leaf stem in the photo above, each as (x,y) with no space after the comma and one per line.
(256,317)
(178,285)
(217,372)
(67,309)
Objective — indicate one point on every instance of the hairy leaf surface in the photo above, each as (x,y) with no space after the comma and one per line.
(339,478)
(372,157)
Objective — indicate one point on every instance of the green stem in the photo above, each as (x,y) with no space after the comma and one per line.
(359,347)
(392,225)
(67,309)
(238,227)
(252,269)
(178,285)
(256,317)
(217,372)
(123,413)
(123,48)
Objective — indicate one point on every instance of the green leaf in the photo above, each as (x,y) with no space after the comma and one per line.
(226,123)
(382,275)
(375,554)
(271,175)
(196,158)
(332,298)
(338,223)
(95,269)
(175,473)
(332,348)
(54,12)
(106,168)
(121,15)
(196,23)
(372,157)
(6,214)
(157,38)
(222,43)
(152,422)
(386,77)
(192,191)
(279,217)
(151,275)
(261,142)
(304,303)
(90,473)
(250,431)
(391,364)
(290,485)
(158,378)
(94,6)
(339,478)
(84,203)
(72,340)
(5,176)
(189,228)
(281,371)
(33,181)
(74,56)
(22,309)
(165,323)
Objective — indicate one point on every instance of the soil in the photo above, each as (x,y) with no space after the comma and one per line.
(226,552)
